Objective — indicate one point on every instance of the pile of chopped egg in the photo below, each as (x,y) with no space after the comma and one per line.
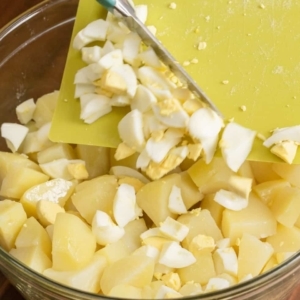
(159,217)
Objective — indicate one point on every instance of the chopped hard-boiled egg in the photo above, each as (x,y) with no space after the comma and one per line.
(14,135)
(125,208)
(286,150)
(236,144)
(176,204)
(226,261)
(25,111)
(105,230)
(231,200)
(174,229)
(174,256)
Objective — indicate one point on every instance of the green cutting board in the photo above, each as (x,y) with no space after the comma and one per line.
(252,46)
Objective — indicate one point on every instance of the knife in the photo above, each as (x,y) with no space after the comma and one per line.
(128,16)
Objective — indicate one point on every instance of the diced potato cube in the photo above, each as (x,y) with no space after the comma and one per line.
(34,234)
(73,244)
(153,198)
(200,271)
(33,257)
(136,270)
(199,222)
(133,230)
(271,263)
(96,159)
(245,170)
(215,209)
(10,160)
(115,251)
(86,279)
(95,194)
(267,190)
(55,190)
(37,140)
(47,212)
(286,205)
(255,219)
(156,241)
(253,255)
(45,107)
(285,239)
(291,173)
(126,291)
(12,218)
(212,177)
(189,191)
(19,179)
(129,162)
(263,171)
(55,152)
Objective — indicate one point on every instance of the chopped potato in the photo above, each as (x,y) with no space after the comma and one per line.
(73,244)
(34,234)
(12,218)
(134,270)
(33,257)
(255,219)
(253,255)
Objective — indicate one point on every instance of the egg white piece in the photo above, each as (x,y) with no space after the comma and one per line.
(122,171)
(143,99)
(216,283)
(108,47)
(236,144)
(86,75)
(231,200)
(91,54)
(105,230)
(116,33)
(82,89)
(149,58)
(127,73)
(95,108)
(25,111)
(131,48)
(176,204)
(14,134)
(174,256)
(141,12)
(152,77)
(176,116)
(157,150)
(143,160)
(81,40)
(205,126)
(151,124)
(125,208)
(283,134)
(131,130)
(174,229)
(120,100)
(165,292)
(226,261)
(96,30)
(113,58)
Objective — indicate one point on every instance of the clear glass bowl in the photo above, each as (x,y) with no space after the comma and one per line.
(33,50)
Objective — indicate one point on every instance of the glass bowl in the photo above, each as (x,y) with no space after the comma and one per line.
(33,50)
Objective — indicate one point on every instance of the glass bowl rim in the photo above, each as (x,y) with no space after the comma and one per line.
(243,287)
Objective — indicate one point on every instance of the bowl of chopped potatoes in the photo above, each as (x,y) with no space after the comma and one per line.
(78,222)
